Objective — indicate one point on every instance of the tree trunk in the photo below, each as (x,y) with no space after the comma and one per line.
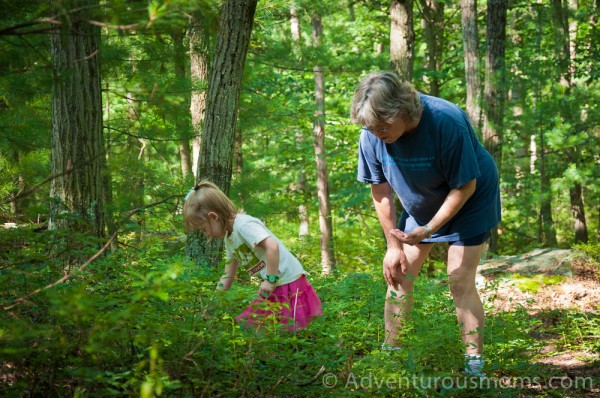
(402,38)
(546,224)
(181,125)
(598,228)
(565,51)
(304,227)
(185,157)
(222,101)
(136,164)
(300,186)
(351,15)
(494,78)
(111,225)
(199,37)
(433,30)
(546,234)
(77,136)
(217,148)
(239,154)
(220,121)
(494,91)
(546,231)
(295,28)
(471,56)
(578,210)
(17,205)
(327,253)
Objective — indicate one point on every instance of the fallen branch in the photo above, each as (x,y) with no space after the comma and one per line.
(142,208)
(313,379)
(51,177)
(64,278)
(36,186)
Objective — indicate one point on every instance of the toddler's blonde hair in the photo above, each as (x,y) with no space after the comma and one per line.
(204,198)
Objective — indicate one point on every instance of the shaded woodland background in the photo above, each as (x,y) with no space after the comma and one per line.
(111,110)
(152,66)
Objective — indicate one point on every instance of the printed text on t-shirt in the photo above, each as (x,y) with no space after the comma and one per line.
(417,163)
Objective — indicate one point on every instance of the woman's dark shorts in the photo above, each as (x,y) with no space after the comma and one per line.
(474,241)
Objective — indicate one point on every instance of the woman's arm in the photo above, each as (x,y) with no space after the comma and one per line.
(455,200)
(383,199)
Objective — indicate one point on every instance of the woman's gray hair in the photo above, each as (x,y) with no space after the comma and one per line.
(381,97)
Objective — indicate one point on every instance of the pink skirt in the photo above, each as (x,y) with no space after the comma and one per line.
(293,304)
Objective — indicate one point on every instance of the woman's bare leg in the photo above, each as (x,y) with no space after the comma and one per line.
(462,268)
(399,299)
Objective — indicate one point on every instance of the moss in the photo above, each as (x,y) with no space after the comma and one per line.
(533,284)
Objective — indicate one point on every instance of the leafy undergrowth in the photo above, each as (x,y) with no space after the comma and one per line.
(565,319)
(148,323)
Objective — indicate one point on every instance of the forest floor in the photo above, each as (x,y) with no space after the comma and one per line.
(551,304)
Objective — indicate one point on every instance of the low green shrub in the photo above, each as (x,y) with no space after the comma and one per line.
(140,323)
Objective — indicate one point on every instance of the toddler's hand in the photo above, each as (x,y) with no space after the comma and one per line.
(266,289)
(224,283)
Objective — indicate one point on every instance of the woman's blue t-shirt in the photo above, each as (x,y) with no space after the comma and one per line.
(441,154)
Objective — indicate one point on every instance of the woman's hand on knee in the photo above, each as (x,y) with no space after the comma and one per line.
(394,263)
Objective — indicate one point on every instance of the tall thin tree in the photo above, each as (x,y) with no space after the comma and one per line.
(494,90)
(325,224)
(546,230)
(402,38)
(471,57)
(565,50)
(433,30)
(225,82)
(181,121)
(199,34)
(77,136)
(300,186)
(222,101)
